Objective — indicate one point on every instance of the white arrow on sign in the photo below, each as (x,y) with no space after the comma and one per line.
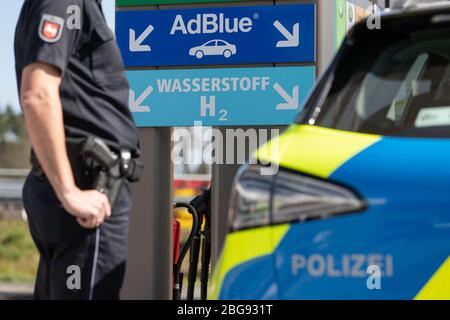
(292,39)
(136,44)
(291,102)
(136,104)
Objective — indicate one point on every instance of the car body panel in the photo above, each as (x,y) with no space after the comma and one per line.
(252,247)
(314,150)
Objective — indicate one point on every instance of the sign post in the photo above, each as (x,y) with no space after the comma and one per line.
(226,37)
(219,97)
(233,65)
(215,36)
(149,271)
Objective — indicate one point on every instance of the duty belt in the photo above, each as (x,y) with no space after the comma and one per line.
(109,169)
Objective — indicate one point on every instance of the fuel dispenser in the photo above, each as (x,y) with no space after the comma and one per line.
(198,242)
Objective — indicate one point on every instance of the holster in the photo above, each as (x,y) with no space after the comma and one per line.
(111,169)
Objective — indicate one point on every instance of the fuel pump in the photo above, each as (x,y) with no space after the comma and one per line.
(198,242)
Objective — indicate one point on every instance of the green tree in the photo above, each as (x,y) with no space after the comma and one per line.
(14,144)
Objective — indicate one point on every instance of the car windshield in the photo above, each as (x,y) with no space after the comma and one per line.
(392,84)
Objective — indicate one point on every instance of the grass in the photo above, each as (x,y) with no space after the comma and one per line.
(18,255)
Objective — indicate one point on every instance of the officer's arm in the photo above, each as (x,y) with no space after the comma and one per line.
(44,119)
(43,112)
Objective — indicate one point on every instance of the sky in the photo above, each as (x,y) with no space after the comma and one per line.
(9,13)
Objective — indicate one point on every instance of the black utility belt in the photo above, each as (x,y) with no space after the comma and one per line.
(97,155)
(109,169)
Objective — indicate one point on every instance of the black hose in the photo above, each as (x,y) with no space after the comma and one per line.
(200,208)
(206,254)
(194,257)
(178,278)
(193,265)
(204,273)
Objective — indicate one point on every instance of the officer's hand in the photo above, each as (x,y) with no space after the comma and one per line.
(90,207)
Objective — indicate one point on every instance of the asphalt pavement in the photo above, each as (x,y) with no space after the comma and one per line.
(16,291)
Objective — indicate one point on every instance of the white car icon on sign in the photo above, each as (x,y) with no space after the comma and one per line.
(213,48)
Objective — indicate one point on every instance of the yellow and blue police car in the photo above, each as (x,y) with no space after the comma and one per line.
(360,205)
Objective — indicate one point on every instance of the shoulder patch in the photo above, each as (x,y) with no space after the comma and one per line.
(51,28)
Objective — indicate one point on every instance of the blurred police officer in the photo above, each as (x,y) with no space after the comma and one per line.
(72,85)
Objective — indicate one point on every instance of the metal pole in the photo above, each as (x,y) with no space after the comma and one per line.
(221,182)
(149,268)
(325,35)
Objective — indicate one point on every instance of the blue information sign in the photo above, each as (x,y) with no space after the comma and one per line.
(219,97)
(229,35)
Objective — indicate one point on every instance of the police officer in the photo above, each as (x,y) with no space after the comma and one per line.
(72,86)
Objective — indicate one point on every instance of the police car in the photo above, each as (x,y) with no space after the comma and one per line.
(360,205)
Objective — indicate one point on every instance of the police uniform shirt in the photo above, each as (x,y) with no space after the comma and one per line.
(73,36)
